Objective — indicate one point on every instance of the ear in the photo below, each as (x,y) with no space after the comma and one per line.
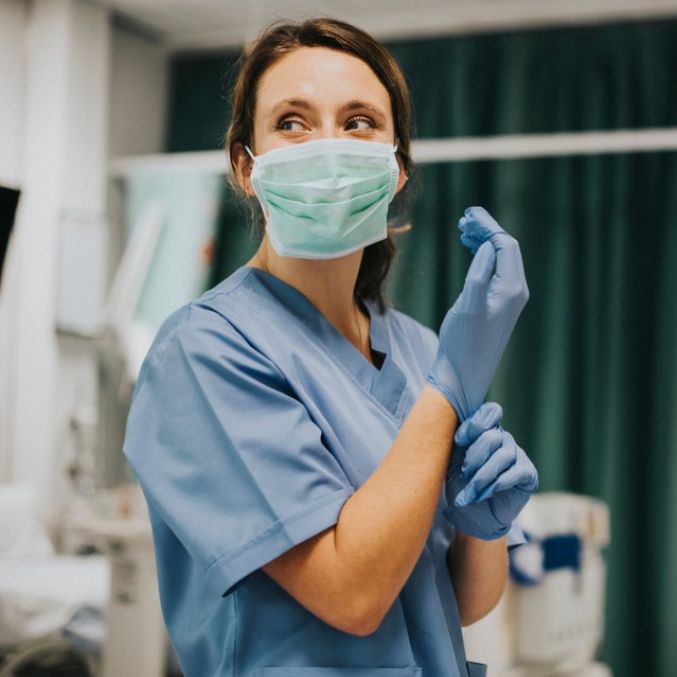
(403,177)
(242,164)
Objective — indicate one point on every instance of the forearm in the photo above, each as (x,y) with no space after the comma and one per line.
(383,527)
(479,572)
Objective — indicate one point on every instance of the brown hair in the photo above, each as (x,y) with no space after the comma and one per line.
(279,39)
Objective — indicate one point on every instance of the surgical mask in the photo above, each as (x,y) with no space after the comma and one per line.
(326,198)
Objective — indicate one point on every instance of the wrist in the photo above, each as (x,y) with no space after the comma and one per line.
(443,378)
(477,528)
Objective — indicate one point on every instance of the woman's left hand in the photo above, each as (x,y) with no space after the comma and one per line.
(476,329)
(490,478)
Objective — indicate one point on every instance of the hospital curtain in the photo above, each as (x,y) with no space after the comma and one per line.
(589,381)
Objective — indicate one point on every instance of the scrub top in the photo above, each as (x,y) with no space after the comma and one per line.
(252,422)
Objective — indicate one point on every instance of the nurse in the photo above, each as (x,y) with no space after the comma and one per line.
(329,495)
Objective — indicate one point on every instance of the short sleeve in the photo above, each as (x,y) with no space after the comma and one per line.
(516,536)
(226,455)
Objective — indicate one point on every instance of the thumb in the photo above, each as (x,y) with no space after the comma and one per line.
(479,275)
(488,416)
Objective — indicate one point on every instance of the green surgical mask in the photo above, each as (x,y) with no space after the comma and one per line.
(326,198)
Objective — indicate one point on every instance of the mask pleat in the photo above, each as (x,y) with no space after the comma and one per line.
(325,197)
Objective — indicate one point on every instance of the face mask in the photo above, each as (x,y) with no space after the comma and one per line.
(326,198)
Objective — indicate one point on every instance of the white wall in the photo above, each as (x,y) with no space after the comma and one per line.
(138,110)
(13,26)
(61,144)
(138,105)
(13,23)
(75,88)
(139,87)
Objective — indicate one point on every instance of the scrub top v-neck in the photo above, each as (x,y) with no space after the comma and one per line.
(252,422)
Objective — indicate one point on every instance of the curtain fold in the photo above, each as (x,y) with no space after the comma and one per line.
(589,380)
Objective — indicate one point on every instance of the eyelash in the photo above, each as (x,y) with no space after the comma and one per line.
(289,118)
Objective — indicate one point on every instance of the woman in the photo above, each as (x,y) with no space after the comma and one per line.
(293,435)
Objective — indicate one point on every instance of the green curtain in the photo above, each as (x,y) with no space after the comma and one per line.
(589,380)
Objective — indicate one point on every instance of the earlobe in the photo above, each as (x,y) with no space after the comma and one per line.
(402,179)
(249,191)
(242,166)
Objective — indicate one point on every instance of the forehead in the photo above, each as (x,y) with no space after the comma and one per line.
(323,76)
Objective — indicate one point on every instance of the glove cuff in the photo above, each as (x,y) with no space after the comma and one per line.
(443,378)
(484,535)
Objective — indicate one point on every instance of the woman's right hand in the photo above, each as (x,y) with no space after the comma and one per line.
(490,478)
(477,327)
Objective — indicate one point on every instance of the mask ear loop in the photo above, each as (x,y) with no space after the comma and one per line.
(395,175)
(263,209)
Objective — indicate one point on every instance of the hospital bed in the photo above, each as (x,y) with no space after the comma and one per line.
(51,605)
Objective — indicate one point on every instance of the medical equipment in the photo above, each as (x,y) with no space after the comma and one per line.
(135,642)
(9,199)
(170,219)
(42,592)
(550,622)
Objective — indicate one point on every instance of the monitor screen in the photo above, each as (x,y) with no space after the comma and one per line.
(9,199)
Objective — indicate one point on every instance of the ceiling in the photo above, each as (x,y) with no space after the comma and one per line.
(208,24)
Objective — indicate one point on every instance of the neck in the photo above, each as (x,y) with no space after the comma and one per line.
(328,283)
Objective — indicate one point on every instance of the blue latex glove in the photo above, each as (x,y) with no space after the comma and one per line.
(477,327)
(490,478)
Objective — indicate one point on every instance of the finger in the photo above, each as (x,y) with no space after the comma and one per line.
(470,242)
(487,475)
(480,224)
(529,480)
(479,451)
(512,478)
(522,475)
(467,240)
(478,277)
(509,264)
(488,416)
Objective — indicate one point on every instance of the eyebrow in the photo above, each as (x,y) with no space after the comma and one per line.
(303,103)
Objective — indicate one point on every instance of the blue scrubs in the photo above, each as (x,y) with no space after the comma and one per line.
(253,421)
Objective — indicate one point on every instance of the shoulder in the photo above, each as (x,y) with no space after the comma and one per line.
(217,309)
(207,331)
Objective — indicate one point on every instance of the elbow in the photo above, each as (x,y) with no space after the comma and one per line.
(469,619)
(364,627)
(470,616)
(366,618)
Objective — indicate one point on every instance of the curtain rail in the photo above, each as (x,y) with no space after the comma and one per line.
(429,151)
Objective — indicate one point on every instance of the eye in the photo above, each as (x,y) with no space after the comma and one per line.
(286,125)
(360,119)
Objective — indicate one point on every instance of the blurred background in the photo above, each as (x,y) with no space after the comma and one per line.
(559,117)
